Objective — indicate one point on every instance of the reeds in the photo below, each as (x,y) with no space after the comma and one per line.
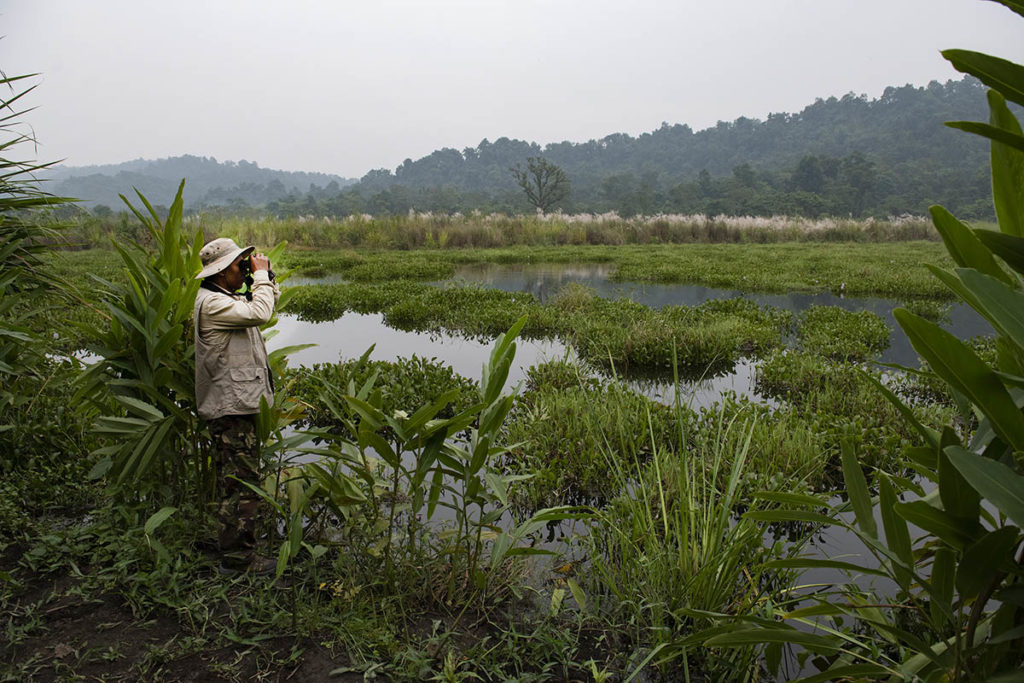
(476,230)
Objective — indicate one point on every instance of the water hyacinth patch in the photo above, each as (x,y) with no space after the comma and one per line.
(839,334)
(563,423)
(318,303)
(474,311)
(838,399)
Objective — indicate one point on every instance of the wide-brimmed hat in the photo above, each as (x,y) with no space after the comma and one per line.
(218,254)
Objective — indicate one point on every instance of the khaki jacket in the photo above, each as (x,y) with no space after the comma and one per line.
(232,372)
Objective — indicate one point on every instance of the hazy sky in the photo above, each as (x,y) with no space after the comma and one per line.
(343,86)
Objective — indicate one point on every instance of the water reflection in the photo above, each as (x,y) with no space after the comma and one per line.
(350,335)
(545,280)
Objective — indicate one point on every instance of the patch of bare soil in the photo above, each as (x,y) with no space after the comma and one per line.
(52,633)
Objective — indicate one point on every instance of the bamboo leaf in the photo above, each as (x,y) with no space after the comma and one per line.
(790,498)
(996,482)
(927,433)
(789,516)
(140,408)
(852,672)
(1000,304)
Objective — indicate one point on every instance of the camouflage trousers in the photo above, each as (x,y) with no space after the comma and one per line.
(236,452)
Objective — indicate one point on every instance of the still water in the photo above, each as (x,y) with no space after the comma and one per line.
(353,333)
(544,281)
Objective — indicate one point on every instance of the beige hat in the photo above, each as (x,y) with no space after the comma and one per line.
(218,254)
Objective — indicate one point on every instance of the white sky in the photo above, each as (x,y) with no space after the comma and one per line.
(344,86)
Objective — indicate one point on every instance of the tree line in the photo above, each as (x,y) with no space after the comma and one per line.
(849,156)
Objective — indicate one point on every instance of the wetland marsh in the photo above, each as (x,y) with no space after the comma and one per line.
(651,380)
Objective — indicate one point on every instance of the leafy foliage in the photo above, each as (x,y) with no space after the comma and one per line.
(143,388)
(956,613)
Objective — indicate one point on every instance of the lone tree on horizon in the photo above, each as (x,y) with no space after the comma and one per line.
(544,183)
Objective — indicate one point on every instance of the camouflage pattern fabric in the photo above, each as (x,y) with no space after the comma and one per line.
(236,451)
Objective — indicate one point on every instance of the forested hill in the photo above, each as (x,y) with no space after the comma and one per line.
(849,155)
(838,156)
(209,182)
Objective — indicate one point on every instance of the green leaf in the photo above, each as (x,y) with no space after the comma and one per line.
(815,563)
(928,434)
(282,559)
(1015,5)
(1007,169)
(959,365)
(996,482)
(100,469)
(140,408)
(964,246)
(158,518)
(958,497)
(942,582)
(1008,247)
(1009,636)
(789,516)
(954,531)
(854,672)
(1001,305)
(857,487)
(986,130)
(983,560)
(995,72)
(897,535)
(790,498)
(757,636)
(577,594)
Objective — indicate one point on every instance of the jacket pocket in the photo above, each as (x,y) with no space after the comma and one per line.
(248,383)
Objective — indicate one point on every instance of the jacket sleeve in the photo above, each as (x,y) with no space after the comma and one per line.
(228,313)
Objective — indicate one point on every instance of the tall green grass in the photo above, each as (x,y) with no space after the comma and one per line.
(669,548)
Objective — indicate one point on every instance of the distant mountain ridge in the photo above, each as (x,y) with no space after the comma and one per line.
(208,182)
(837,156)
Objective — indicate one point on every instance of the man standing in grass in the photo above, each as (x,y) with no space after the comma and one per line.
(232,376)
